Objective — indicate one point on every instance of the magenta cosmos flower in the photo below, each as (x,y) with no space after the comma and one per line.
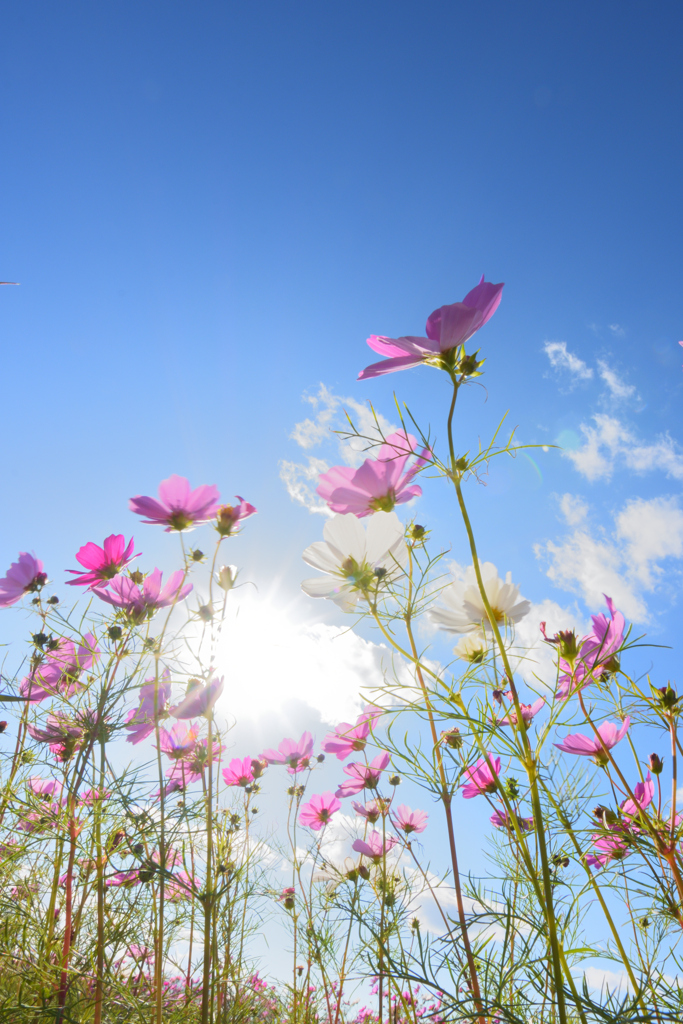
(529,711)
(45,788)
(239,772)
(24,576)
(140,602)
(610,847)
(406,820)
(643,793)
(501,819)
(348,738)
(228,517)
(102,564)
(591,746)
(295,754)
(61,670)
(200,698)
(179,741)
(363,776)
(481,778)
(373,810)
(448,328)
(379,484)
(63,735)
(595,653)
(178,507)
(318,811)
(140,722)
(375,847)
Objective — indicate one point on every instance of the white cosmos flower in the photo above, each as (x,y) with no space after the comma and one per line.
(472,647)
(352,553)
(463,609)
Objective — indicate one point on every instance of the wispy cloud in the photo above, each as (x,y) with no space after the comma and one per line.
(610,443)
(617,388)
(561,359)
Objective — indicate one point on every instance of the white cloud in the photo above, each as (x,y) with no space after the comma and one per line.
(561,359)
(610,443)
(573,508)
(531,657)
(623,563)
(319,432)
(617,330)
(598,978)
(618,389)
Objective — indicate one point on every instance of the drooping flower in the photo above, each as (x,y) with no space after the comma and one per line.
(643,793)
(178,507)
(348,738)
(586,660)
(501,819)
(463,610)
(472,648)
(529,711)
(373,810)
(200,698)
(295,754)
(61,670)
(25,576)
(140,722)
(448,328)
(481,778)
(179,741)
(379,484)
(228,517)
(140,602)
(102,563)
(355,559)
(239,773)
(319,810)
(591,746)
(375,847)
(409,821)
(363,776)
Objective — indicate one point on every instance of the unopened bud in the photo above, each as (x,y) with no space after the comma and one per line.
(364,872)
(197,556)
(380,572)
(205,612)
(667,696)
(320,758)
(656,764)
(114,632)
(452,738)
(226,576)
(53,600)
(136,577)
(258,767)
(394,780)
(512,788)
(417,532)
(568,645)
(3,726)
(39,639)
(461,464)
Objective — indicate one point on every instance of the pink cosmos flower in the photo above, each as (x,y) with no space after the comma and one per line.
(45,788)
(140,722)
(239,773)
(200,698)
(596,652)
(228,516)
(61,670)
(379,484)
(296,755)
(178,507)
(34,821)
(591,746)
(348,738)
(410,821)
(529,711)
(124,878)
(180,741)
(318,811)
(180,886)
(448,328)
(63,735)
(363,776)
(89,796)
(141,602)
(643,793)
(24,576)
(190,767)
(501,819)
(372,810)
(375,847)
(608,848)
(102,564)
(482,780)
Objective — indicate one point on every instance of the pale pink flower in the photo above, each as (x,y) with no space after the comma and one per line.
(348,738)
(643,793)
(318,811)
(140,722)
(501,819)
(178,507)
(529,711)
(140,602)
(295,754)
(61,670)
(200,698)
(34,821)
(62,734)
(596,652)
(90,796)
(591,746)
(229,516)
(24,576)
(481,778)
(179,741)
(379,484)
(448,328)
(102,564)
(239,773)
(124,878)
(608,848)
(376,845)
(363,776)
(45,788)
(373,810)
(406,820)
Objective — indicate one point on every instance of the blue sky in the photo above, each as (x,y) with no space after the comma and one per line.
(210,206)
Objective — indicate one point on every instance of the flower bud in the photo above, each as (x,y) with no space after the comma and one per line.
(512,788)
(656,764)
(3,726)
(417,532)
(320,758)
(567,645)
(461,464)
(196,555)
(452,738)
(226,576)
(114,632)
(394,780)
(205,612)
(667,696)
(364,872)
(53,600)
(39,639)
